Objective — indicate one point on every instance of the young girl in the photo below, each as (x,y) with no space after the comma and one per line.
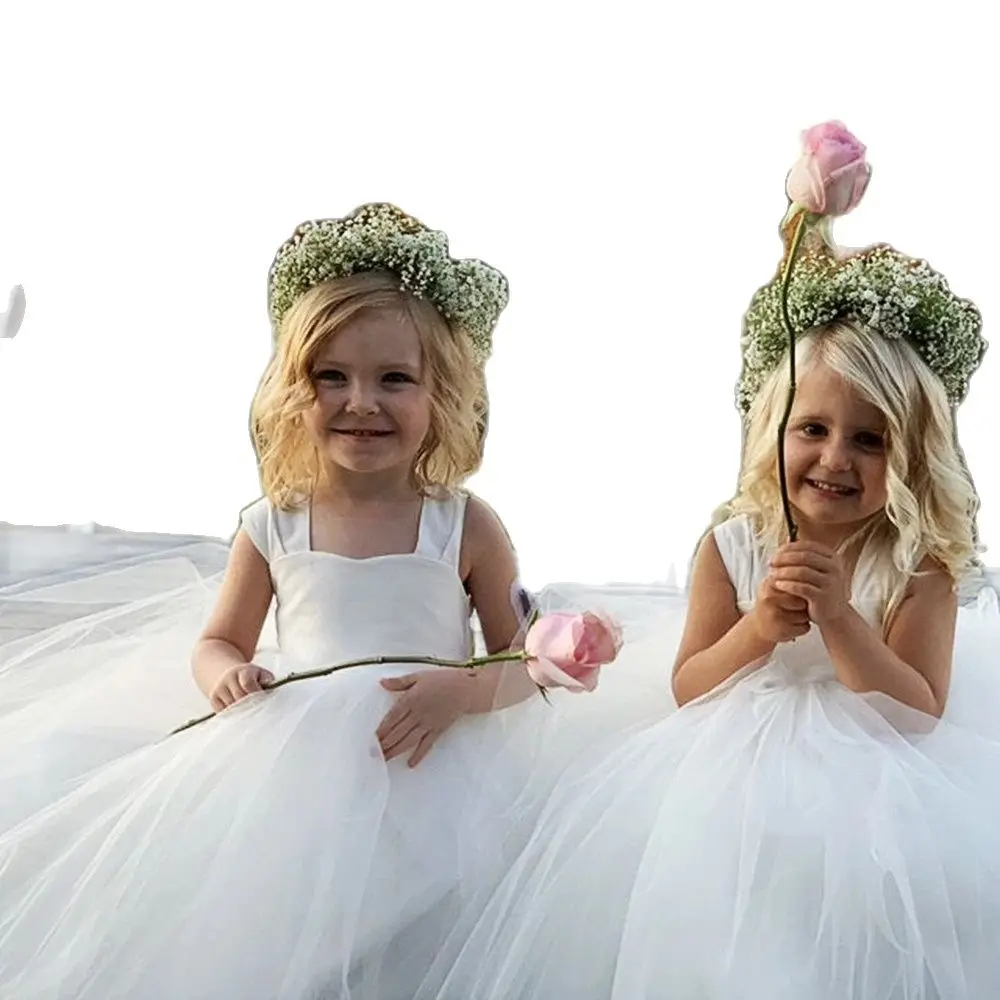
(818,820)
(314,840)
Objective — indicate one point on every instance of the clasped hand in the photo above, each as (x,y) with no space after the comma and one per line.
(813,576)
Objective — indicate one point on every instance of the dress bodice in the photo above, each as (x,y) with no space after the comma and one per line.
(332,608)
(747,563)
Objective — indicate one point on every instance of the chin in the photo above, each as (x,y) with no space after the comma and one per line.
(362,463)
(848,519)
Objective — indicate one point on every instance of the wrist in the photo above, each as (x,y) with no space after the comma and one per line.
(759,644)
(470,688)
(838,620)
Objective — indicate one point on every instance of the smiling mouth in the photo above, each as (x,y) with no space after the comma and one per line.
(361,433)
(832,489)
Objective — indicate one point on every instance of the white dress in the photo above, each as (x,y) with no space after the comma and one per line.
(781,838)
(270,853)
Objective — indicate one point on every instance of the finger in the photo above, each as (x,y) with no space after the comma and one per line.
(237,691)
(792,608)
(799,557)
(400,731)
(800,574)
(423,748)
(784,601)
(403,683)
(397,714)
(796,588)
(225,700)
(249,681)
(773,593)
(406,742)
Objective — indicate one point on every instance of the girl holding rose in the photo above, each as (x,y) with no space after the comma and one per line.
(315,838)
(821,817)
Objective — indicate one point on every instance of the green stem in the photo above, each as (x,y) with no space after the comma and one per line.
(800,228)
(375,661)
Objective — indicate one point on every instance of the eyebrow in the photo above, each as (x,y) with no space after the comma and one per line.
(388,367)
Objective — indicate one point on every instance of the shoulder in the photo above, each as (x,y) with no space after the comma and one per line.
(484,536)
(929,602)
(259,510)
(255,522)
(482,522)
(710,563)
(271,528)
(738,544)
(931,582)
(735,530)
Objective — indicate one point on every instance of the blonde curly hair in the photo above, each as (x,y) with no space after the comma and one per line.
(288,460)
(931,502)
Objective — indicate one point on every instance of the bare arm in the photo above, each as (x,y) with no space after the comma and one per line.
(717,642)
(233,630)
(913,663)
(489,568)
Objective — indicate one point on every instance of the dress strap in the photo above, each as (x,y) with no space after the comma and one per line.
(276,532)
(742,557)
(442,522)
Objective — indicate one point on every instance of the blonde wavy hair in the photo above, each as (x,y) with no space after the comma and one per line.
(931,502)
(288,460)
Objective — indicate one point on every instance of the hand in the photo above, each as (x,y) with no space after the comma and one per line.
(815,574)
(237,682)
(429,702)
(779,617)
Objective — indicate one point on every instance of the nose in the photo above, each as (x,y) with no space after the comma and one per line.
(835,455)
(362,399)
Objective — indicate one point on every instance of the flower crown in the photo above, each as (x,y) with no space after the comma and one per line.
(469,294)
(879,287)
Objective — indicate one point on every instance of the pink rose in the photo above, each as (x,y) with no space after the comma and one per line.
(567,650)
(831,175)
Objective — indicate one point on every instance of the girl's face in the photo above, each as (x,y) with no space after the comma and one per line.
(372,410)
(835,454)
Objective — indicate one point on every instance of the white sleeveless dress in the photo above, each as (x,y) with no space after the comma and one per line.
(779,838)
(270,853)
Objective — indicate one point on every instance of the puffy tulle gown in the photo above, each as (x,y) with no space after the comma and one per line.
(779,838)
(270,853)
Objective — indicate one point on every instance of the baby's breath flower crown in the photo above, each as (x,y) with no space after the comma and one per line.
(880,288)
(469,294)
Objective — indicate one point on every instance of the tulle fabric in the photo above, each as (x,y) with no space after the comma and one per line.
(781,838)
(270,854)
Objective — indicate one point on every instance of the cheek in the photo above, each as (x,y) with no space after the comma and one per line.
(314,417)
(416,412)
(871,469)
(797,453)
(875,475)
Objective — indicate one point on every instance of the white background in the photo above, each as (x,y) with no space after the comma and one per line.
(622,163)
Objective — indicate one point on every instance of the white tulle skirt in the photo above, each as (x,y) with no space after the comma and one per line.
(782,838)
(270,854)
